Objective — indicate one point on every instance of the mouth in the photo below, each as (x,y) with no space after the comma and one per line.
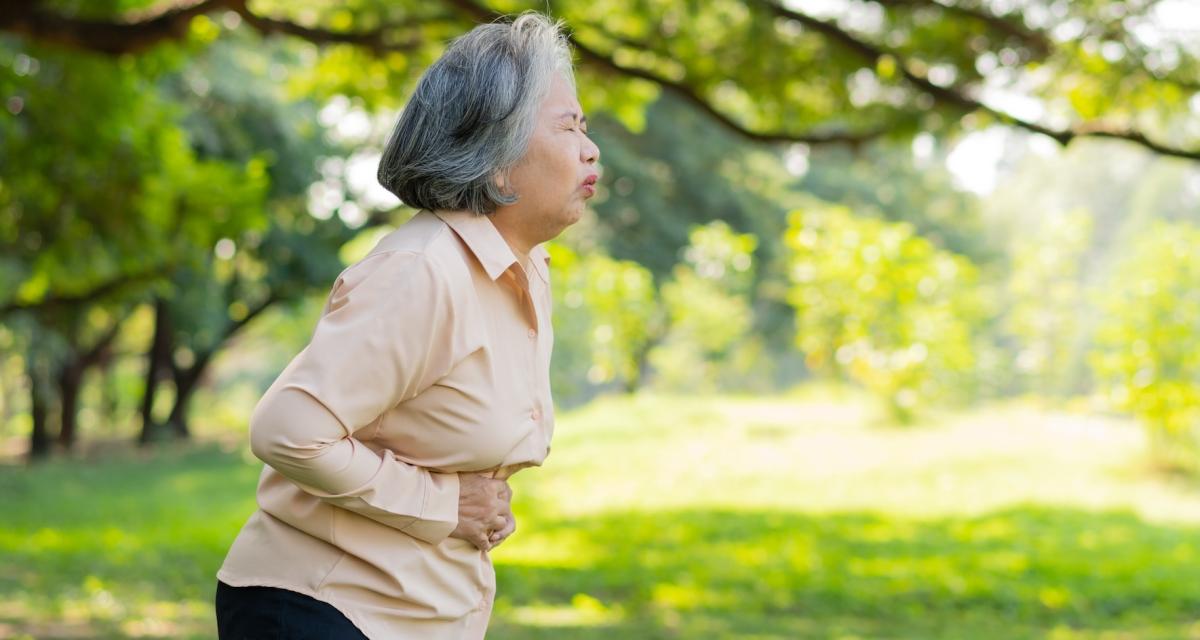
(589,185)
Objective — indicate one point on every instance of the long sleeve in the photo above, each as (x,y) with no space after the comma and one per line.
(431,356)
(291,431)
(385,335)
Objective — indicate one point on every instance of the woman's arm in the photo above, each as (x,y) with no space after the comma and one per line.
(295,434)
(389,331)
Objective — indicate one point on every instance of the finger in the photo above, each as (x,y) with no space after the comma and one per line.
(482,542)
(498,523)
(501,533)
(508,529)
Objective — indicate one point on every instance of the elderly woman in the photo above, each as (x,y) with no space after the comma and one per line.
(388,440)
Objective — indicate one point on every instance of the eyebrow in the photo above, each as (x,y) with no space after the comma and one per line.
(574,114)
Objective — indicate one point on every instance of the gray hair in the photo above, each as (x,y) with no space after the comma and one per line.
(472,115)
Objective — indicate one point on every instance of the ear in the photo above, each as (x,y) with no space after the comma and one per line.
(501,181)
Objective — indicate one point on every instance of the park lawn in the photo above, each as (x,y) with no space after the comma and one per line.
(662,517)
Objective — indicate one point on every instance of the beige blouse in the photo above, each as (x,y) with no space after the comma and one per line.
(431,357)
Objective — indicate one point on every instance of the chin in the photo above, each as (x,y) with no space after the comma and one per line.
(570,216)
(574,215)
(566,216)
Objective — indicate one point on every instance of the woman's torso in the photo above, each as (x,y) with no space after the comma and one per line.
(491,412)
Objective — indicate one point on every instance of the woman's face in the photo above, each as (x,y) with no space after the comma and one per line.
(558,172)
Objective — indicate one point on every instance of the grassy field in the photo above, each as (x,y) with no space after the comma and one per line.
(682,518)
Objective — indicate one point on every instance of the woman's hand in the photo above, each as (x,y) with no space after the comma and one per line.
(497,537)
(484,509)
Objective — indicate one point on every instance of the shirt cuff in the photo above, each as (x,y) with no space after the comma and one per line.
(439,513)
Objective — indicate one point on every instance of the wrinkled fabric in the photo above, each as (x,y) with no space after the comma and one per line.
(431,357)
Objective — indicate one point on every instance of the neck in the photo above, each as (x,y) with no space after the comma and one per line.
(517,238)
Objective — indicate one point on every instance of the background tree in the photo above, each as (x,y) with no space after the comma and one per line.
(101,209)
(185,189)
(765,70)
(218,146)
(232,120)
(883,306)
(1045,295)
(606,315)
(709,315)
(1147,347)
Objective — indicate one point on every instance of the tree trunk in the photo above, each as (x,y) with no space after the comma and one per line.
(159,354)
(642,358)
(185,386)
(110,395)
(186,382)
(39,438)
(69,381)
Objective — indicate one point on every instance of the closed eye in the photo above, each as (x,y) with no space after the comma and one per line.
(575,120)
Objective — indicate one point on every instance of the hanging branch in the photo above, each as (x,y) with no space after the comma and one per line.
(594,57)
(97,292)
(139,32)
(957,97)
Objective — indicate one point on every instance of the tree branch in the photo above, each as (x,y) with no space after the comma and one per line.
(691,96)
(93,355)
(171,23)
(95,293)
(376,40)
(957,96)
(32,20)
(235,326)
(1038,41)
(137,33)
(688,93)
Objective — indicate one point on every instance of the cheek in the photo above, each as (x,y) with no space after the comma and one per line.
(551,166)
(567,161)
(557,151)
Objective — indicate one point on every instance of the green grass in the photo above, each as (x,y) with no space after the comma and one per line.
(661,517)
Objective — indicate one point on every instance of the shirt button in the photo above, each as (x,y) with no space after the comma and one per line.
(532,333)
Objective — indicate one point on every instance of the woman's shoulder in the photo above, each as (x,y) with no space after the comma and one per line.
(417,235)
(419,256)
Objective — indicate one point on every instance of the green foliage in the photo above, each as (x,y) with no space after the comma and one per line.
(185,170)
(126,548)
(1147,347)
(1066,219)
(892,182)
(881,305)
(708,313)
(679,173)
(1045,295)
(1123,189)
(659,517)
(118,192)
(233,119)
(605,314)
(721,256)
(886,69)
(660,182)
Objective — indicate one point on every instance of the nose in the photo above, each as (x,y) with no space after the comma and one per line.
(590,152)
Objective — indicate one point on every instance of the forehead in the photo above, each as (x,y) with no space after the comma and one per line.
(561,97)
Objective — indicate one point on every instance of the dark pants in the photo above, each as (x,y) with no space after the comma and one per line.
(268,613)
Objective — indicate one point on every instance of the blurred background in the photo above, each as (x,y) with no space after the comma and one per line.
(883,323)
